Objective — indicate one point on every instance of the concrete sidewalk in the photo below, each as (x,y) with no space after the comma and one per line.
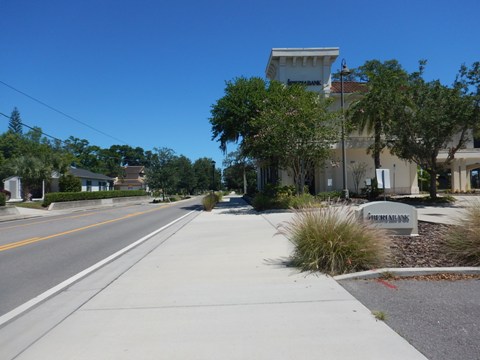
(219,289)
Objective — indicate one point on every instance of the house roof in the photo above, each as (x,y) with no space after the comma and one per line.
(349,87)
(11,178)
(129,183)
(133,172)
(86,174)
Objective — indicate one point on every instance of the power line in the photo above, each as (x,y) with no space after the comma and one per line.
(61,112)
(35,129)
(65,143)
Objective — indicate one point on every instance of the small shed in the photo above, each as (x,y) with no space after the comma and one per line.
(14,185)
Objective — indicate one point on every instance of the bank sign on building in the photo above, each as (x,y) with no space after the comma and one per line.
(313,68)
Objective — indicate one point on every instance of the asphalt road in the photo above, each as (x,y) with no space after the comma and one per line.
(38,254)
(440,318)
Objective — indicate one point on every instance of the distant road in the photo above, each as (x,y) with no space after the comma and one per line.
(38,254)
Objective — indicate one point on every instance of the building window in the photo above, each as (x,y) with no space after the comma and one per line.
(89,185)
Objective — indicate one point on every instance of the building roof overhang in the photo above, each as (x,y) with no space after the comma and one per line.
(315,53)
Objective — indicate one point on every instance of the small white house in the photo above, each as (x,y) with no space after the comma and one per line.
(14,185)
(90,181)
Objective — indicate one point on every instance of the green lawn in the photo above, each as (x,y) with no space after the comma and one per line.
(31,205)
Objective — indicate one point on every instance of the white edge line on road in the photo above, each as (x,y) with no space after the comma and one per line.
(56,289)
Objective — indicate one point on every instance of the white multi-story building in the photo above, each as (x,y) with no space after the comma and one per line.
(313,67)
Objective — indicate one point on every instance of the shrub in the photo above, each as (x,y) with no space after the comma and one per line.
(3,199)
(462,242)
(303,201)
(69,183)
(209,201)
(427,200)
(329,196)
(7,194)
(262,201)
(334,241)
(73,196)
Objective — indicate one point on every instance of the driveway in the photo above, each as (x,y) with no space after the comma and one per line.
(439,318)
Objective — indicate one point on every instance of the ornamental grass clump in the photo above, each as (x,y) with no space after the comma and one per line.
(462,243)
(332,240)
(209,201)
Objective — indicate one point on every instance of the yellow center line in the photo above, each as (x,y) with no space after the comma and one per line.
(62,218)
(18,243)
(38,239)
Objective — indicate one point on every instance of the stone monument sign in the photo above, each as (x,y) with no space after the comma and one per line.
(401,219)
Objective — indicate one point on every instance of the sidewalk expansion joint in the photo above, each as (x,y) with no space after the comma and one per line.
(217,305)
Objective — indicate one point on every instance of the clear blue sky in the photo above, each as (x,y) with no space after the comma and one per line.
(147,71)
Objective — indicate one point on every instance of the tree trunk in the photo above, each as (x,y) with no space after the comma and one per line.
(377,146)
(244,179)
(433,184)
(26,192)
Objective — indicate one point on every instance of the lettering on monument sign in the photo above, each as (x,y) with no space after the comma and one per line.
(390,218)
(305,82)
(401,219)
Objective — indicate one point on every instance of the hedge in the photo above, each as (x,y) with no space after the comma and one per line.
(73,196)
(3,199)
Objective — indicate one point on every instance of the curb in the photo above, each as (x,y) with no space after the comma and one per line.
(373,274)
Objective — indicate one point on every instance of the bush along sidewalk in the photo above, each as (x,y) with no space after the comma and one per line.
(462,242)
(209,201)
(332,240)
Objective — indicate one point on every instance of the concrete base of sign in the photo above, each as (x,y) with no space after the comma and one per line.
(398,218)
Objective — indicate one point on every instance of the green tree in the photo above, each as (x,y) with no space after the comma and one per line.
(15,122)
(128,155)
(232,116)
(206,174)
(358,170)
(377,108)
(437,118)
(468,82)
(32,170)
(296,129)
(12,145)
(236,167)
(162,174)
(186,175)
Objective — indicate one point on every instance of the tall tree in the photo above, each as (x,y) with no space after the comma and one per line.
(375,110)
(206,174)
(84,155)
(186,175)
(162,174)
(15,122)
(233,114)
(436,118)
(468,81)
(296,128)
(236,167)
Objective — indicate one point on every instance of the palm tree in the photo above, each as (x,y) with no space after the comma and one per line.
(32,171)
(375,111)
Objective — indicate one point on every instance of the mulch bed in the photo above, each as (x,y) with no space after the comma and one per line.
(423,250)
(437,277)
